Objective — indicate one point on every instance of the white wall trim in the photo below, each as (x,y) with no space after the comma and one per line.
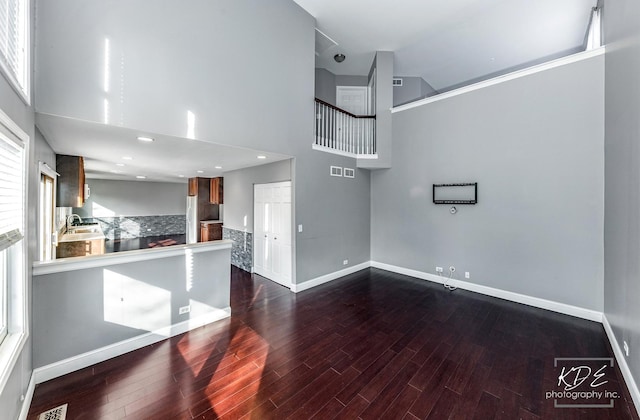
(504,78)
(550,305)
(81,263)
(341,153)
(296,288)
(632,386)
(28,397)
(81,361)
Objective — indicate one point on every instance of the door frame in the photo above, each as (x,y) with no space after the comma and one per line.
(362,89)
(291,283)
(45,170)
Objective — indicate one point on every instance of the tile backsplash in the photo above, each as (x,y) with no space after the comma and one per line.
(128,227)
(242,248)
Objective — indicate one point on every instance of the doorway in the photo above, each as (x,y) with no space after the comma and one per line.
(46,214)
(352,99)
(272,231)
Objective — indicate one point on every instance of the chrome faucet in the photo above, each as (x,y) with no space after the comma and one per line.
(70,219)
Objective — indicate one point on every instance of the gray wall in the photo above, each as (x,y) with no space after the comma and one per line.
(82,310)
(412,89)
(334,212)
(534,145)
(135,198)
(622,175)
(153,87)
(22,114)
(383,65)
(279,116)
(351,80)
(238,191)
(325,83)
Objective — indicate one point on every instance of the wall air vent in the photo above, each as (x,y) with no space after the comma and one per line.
(349,173)
(397,81)
(58,413)
(335,171)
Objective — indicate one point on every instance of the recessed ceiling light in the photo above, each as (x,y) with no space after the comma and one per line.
(180,176)
(147,139)
(120,164)
(127,158)
(218,167)
(141,177)
(116,172)
(262,157)
(200,172)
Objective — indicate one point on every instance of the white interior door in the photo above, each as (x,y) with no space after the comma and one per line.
(352,99)
(272,231)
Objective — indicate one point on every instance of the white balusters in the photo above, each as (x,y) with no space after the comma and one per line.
(342,131)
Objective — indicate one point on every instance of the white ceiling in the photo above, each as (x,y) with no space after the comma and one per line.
(448,43)
(163,160)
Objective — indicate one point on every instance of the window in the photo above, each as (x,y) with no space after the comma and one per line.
(14,44)
(13,283)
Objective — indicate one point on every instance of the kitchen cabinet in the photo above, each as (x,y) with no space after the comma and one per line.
(193,187)
(70,189)
(210,231)
(80,248)
(216,191)
(202,209)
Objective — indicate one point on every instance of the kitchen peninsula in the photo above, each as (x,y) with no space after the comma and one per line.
(123,301)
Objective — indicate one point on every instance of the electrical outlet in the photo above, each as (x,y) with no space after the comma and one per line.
(626,348)
(184,310)
(299,228)
(452,268)
(345,262)
(467,275)
(438,269)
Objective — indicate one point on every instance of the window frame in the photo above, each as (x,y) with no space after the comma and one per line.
(22,88)
(17,266)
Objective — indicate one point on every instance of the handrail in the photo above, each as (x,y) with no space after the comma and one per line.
(343,111)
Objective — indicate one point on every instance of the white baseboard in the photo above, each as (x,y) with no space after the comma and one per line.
(28,397)
(296,288)
(632,386)
(562,308)
(81,361)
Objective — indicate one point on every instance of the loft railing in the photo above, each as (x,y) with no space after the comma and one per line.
(339,131)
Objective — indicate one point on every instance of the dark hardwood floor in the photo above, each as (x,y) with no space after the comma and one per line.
(372,345)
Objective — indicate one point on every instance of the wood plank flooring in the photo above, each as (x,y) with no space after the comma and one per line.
(372,345)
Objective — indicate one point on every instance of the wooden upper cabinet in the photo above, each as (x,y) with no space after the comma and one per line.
(70,189)
(193,187)
(216,191)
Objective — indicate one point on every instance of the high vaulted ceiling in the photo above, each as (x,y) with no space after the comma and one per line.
(449,43)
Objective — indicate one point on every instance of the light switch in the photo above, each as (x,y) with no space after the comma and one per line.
(299,228)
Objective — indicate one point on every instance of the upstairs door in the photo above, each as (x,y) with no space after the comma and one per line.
(352,99)
(272,232)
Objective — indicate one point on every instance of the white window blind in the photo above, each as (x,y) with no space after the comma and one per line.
(13,41)
(11,190)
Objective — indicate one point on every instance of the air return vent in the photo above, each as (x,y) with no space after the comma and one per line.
(349,173)
(58,413)
(397,81)
(335,171)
